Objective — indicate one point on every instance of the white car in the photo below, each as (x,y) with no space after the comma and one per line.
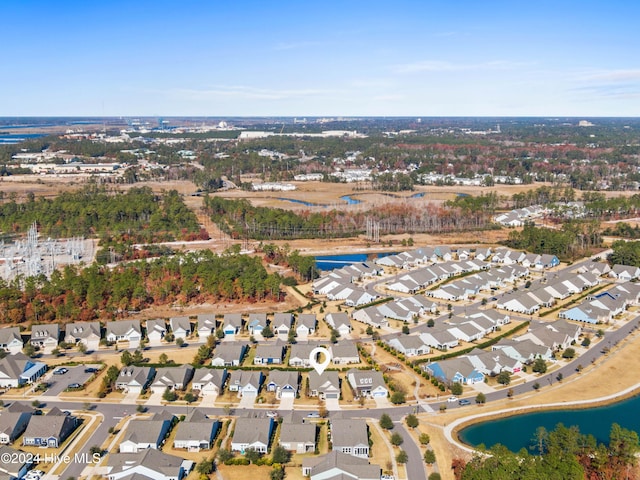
(452,399)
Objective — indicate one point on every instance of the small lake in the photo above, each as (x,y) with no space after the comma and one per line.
(302,202)
(349,200)
(330,262)
(517,432)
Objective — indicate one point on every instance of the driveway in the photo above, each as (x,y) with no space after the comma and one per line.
(208,400)
(332,404)
(286,403)
(247,401)
(382,402)
(155,399)
(130,397)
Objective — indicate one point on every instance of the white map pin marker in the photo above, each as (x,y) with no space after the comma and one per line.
(313,359)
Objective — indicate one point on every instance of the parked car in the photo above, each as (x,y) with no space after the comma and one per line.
(60,371)
(74,385)
(272,414)
(90,370)
(314,415)
(464,402)
(452,399)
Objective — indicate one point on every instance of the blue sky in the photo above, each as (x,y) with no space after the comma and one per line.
(320,58)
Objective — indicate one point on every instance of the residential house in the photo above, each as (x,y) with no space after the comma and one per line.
(282,324)
(298,437)
(370,316)
(206,326)
(455,370)
(173,378)
(209,381)
(142,434)
(269,354)
(252,434)
(229,354)
(124,331)
(196,432)
(87,333)
(350,437)
(482,254)
(409,345)
(257,323)
(146,464)
(11,340)
(520,303)
(134,379)
(18,369)
(367,383)
(49,430)
(523,350)
(337,465)
(340,322)
(45,337)
(231,325)
(12,425)
(156,330)
(306,325)
(439,338)
(284,383)
(247,383)
(624,273)
(325,386)
(15,463)
(300,352)
(493,362)
(344,352)
(180,327)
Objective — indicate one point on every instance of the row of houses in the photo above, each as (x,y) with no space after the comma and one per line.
(558,287)
(47,431)
(140,455)
(519,216)
(248,383)
(602,307)
(339,284)
(47,336)
(507,256)
(483,281)
(540,341)
(423,277)
(431,255)
(470,328)
(404,309)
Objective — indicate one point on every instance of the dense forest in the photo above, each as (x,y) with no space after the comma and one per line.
(135,216)
(240,219)
(561,454)
(574,239)
(102,292)
(625,253)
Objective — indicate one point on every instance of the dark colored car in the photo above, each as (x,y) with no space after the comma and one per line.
(74,385)
(464,402)
(90,370)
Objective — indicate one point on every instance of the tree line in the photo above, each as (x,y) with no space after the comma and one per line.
(560,454)
(135,216)
(101,292)
(240,219)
